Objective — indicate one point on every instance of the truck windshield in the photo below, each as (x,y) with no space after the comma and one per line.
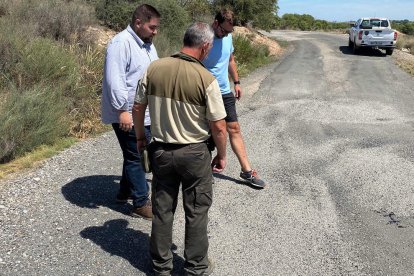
(368,24)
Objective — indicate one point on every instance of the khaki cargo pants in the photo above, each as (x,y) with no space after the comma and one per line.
(188,165)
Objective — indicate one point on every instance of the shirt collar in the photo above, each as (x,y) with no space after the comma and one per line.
(137,39)
(186,57)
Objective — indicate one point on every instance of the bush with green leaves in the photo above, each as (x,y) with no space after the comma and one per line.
(48,89)
(30,118)
(306,22)
(248,55)
(57,19)
(117,14)
(260,14)
(404,26)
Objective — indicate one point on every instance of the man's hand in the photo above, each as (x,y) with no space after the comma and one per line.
(237,91)
(219,133)
(141,145)
(218,164)
(125,120)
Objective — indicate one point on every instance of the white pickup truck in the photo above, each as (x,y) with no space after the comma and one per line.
(372,33)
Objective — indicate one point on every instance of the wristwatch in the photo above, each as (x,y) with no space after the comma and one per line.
(236,82)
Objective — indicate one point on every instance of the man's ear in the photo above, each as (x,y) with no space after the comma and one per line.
(137,22)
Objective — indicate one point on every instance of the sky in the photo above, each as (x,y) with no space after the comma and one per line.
(349,10)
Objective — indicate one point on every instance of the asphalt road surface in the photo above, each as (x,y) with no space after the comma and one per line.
(330,132)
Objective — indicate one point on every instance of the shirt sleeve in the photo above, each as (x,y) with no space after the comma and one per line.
(215,107)
(117,62)
(232,47)
(141,95)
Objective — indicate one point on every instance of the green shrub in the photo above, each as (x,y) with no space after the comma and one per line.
(248,55)
(9,55)
(43,61)
(164,45)
(52,80)
(58,19)
(85,109)
(117,14)
(30,118)
(174,20)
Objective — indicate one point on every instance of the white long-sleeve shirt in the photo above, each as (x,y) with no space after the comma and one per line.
(127,59)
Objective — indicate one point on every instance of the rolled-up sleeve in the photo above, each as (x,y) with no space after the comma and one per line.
(116,63)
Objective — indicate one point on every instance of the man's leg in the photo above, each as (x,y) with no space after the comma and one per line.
(237,145)
(165,188)
(133,180)
(233,129)
(194,166)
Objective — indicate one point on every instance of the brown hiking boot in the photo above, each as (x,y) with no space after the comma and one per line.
(144,211)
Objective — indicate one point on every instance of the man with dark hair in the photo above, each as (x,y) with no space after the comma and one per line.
(127,57)
(220,62)
(185,105)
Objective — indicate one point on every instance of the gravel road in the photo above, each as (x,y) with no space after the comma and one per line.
(330,132)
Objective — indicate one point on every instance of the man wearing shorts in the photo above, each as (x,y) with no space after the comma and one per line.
(220,62)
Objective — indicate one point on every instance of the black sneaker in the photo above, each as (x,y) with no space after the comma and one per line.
(252,178)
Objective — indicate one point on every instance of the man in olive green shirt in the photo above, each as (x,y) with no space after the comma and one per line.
(186,107)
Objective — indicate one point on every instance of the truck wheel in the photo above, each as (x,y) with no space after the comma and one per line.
(350,44)
(389,51)
(355,49)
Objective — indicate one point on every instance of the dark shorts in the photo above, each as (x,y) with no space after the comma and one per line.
(230,106)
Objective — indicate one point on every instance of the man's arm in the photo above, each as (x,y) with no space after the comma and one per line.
(235,76)
(138,115)
(115,76)
(219,133)
(138,112)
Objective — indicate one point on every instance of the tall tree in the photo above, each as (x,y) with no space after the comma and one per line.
(197,9)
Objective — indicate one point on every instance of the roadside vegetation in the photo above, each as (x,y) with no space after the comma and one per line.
(406,42)
(49,74)
(51,67)
(306,22)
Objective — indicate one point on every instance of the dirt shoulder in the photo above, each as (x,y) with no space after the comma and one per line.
(258,38)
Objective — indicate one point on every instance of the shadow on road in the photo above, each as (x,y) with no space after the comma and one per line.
(117,239)
(235,180)
(362,52)
(94,191)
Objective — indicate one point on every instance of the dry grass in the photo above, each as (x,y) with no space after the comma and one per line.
(405,61)
(405,42)
(404,57)
(34,158)
(86,112)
